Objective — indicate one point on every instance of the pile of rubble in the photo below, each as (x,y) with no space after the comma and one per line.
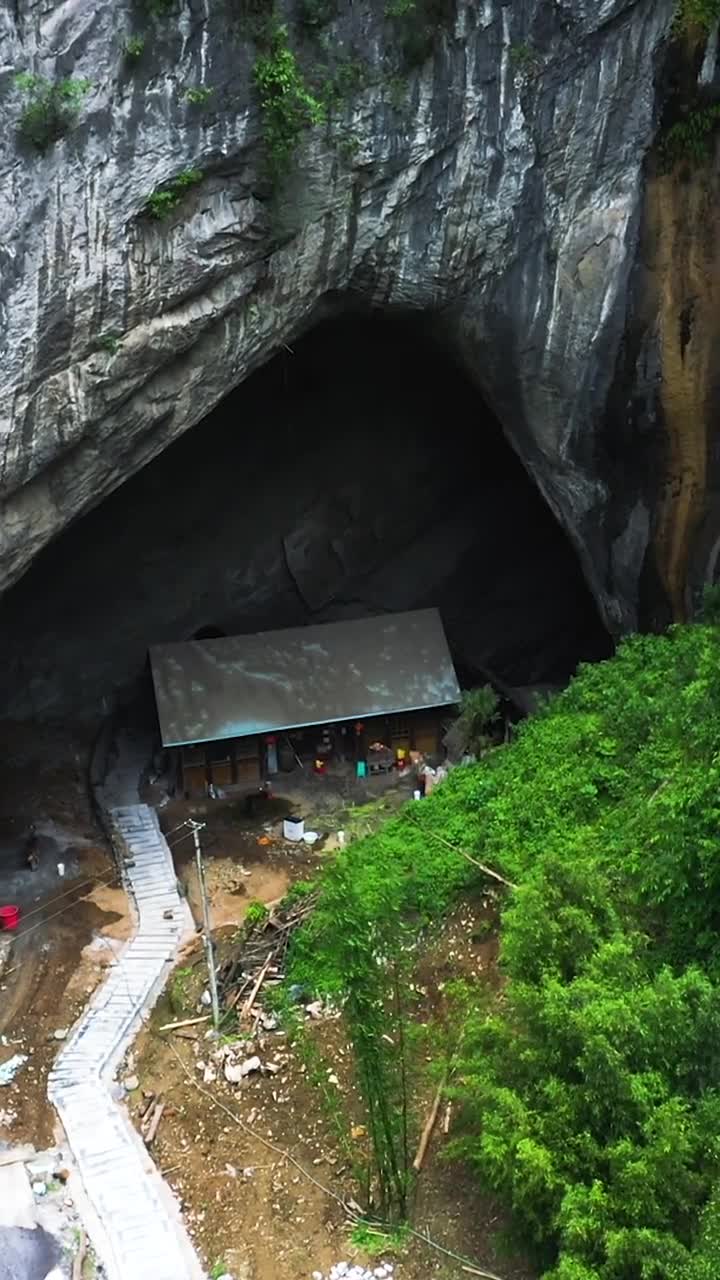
(39,1220)
(354,1271)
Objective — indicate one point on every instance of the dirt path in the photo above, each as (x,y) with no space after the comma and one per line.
(52,968)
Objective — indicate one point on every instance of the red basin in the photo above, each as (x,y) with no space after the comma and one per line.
(9,917)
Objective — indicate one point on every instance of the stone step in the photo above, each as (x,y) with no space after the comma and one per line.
(144,1239)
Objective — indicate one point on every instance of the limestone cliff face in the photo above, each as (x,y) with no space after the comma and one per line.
(498,186)
(680,294)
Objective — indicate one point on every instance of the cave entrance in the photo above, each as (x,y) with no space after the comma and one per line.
(358,472)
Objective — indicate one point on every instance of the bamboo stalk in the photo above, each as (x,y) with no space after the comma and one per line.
(186,1022)
(488,871)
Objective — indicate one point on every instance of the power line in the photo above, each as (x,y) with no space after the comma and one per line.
(23,933)
(73,888)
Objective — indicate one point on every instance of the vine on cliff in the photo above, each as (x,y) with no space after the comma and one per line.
(286,104)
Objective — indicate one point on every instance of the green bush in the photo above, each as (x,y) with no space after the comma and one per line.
(109,342)
(419,23)
(347,78)
(159,8)
(525,59)
(256,913)
(161,203)
(51,109)
(315,14)
(478,713)
(711,604)
(691,138)
(286,104)
(698,14)
(198,97)
(134,48)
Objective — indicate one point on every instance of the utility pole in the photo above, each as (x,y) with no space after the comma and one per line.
(207,936)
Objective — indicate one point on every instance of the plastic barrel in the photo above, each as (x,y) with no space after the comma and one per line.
(9,917)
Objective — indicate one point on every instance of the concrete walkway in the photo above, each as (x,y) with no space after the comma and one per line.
(130,1213)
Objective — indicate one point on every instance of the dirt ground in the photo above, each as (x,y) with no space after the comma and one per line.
(69,924)
(262,1168)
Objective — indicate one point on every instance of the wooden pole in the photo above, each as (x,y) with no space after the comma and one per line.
(429,1126)
(207,935)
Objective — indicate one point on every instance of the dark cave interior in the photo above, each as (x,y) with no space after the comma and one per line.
(359,471)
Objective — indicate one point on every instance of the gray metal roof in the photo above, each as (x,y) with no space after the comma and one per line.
(212,689)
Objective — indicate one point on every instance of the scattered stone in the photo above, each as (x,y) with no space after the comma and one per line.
(206,999)
(236,1071)
(314,1009)
(250,1065)
(61,1033)
(209,1074)
(131,1083)
(350,1271)
(9,1069)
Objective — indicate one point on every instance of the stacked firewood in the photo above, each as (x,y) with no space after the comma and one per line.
(259,958)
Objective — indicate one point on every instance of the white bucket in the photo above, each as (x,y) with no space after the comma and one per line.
(293,828)
(416,794)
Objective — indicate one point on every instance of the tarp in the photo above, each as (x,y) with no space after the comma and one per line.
(212,689)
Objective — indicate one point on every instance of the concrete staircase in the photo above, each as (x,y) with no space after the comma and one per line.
(130,1212)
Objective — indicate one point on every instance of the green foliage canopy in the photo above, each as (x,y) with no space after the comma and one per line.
(589,1096)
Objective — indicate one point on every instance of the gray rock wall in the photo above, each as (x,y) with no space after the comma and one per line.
(501,194)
